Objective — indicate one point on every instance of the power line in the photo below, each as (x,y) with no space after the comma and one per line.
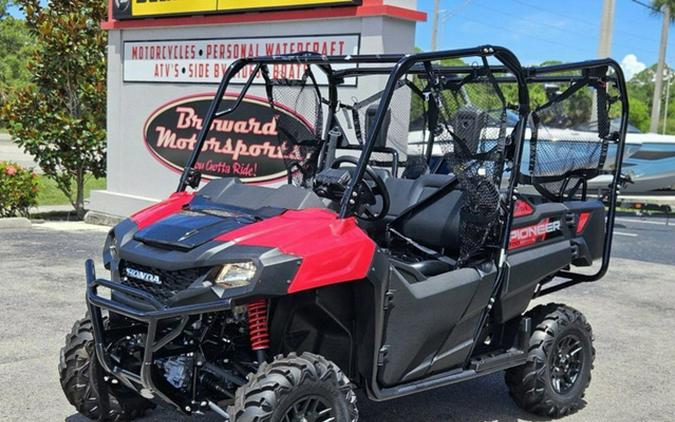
(458,11)
(639,49)
(648,6)
(543,9)
(586,22)
(445,15)
(635,47)
(575,18)
(529,34)
(524,19)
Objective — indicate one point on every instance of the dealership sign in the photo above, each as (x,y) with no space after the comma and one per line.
(129,9)
(245,143)
(207,60)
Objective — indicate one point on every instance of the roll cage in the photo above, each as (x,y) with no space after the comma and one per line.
(602,72)
(504,68)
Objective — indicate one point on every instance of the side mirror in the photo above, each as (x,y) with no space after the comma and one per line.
(194,178)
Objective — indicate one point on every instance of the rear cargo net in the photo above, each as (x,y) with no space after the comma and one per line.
(571,135)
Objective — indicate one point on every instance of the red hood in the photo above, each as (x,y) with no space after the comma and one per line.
(154,213)
(333,250)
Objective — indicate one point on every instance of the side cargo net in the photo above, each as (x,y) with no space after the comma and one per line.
(572,134)
(468,119)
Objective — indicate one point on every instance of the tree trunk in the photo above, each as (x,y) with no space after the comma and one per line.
(79,201)
(658,83)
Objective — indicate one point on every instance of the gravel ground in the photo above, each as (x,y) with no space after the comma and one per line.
(42,284)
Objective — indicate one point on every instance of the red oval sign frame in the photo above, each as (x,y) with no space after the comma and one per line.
(243,144)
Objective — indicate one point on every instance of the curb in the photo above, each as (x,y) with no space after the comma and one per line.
(47,209)
(15,223)
(102,219)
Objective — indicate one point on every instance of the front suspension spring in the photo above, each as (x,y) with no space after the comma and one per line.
(258,324)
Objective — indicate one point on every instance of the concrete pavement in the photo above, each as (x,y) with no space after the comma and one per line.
(631,310)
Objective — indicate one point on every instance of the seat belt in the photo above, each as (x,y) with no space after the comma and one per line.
(432,253)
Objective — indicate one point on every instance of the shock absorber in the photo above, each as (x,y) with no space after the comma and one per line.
(258,328)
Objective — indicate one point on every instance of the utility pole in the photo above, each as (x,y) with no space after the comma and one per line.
(434,28)
(606,28)
(604,44)
(658,81)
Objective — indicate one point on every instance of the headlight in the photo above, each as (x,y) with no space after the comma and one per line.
(235,274)
(110,252)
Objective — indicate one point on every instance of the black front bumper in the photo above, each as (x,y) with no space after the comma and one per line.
(153,312)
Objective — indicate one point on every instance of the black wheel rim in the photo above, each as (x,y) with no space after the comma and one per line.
(309,409)
(568,361)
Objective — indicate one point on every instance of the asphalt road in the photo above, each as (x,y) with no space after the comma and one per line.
(645,239)
(632,311)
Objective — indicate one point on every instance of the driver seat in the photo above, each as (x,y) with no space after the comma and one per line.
(435,226)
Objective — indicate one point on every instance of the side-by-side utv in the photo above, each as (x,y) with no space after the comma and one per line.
(412,230)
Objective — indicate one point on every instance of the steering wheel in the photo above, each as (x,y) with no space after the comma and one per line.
(367,193)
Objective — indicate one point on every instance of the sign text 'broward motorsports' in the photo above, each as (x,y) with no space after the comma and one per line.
(207,60)
(130,9)
(245,143)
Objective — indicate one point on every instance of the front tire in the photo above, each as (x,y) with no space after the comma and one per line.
(558,369)
(307,387)
(78,368)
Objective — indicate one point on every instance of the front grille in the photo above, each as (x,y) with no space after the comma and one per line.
(171,281)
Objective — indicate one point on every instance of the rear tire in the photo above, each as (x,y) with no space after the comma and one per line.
(558,369)
(306,387)
(77,371)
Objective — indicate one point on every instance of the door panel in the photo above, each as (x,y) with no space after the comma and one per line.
(421,318)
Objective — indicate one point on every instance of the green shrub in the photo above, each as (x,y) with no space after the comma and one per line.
(18,189)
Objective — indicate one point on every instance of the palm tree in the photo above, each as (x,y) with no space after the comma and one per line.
(665,6)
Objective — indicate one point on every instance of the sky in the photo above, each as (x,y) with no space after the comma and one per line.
(539,30)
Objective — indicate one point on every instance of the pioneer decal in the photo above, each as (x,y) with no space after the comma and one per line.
(529,235)
(246,144)
(129,9)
